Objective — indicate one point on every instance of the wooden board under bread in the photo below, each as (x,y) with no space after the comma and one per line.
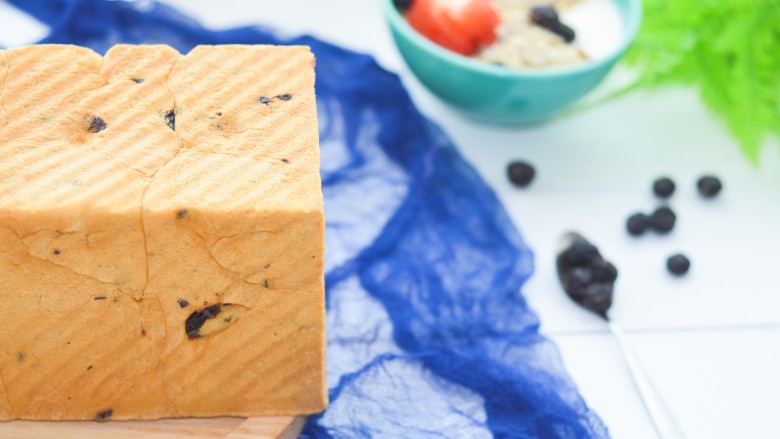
(281,427)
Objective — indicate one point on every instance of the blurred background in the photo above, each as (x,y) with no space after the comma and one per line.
(709,341)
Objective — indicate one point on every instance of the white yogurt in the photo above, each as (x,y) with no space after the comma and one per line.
(597,25)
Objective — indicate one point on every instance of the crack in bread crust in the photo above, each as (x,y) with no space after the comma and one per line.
(151,180)
(6,397)
(3,60)
(211,205)
(36,257)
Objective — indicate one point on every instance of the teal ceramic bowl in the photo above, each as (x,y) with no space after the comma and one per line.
(497,94)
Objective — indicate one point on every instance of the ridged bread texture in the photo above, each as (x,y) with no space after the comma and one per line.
(161,233)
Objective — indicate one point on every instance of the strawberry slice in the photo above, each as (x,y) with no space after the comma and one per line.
(462,26)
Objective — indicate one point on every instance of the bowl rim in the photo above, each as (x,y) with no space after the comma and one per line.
(632,25)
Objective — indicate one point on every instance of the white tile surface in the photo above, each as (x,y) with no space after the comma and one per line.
(596,365)
(722,384)
(593,170)
(18,28)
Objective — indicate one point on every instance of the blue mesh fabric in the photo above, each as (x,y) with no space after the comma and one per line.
(428,335)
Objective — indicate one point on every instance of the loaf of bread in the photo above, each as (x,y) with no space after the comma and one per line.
(161,233)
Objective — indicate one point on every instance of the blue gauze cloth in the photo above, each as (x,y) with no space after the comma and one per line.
(428,335)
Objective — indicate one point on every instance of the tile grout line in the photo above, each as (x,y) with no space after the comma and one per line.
(672,330)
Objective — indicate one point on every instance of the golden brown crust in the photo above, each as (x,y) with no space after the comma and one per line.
(161,233)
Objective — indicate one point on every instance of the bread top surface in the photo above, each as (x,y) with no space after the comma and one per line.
(222,129)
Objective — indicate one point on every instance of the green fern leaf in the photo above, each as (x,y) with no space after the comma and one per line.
(728,49)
